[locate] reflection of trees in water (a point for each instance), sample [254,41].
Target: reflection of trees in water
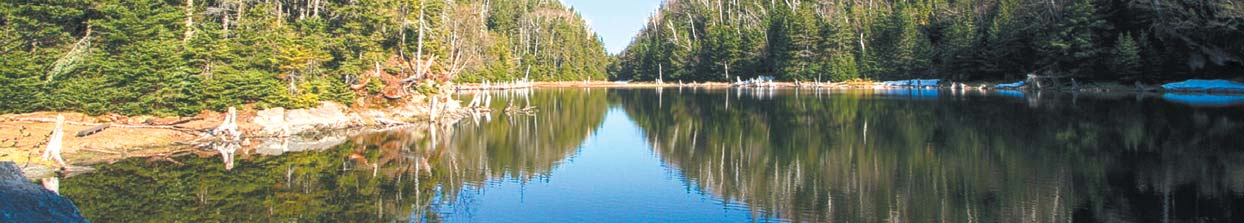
[525,147]
[879,158]
[385,176]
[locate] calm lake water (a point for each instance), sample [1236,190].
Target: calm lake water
[699,155]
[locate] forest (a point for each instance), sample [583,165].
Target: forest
[179,57]
[838,40]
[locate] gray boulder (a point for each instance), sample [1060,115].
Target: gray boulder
[23,201]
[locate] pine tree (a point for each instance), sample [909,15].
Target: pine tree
[176,57]
[837,53]
[957,42]
[1073,42]
[1125,58]
[723,51]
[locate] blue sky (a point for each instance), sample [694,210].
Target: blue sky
[615,20]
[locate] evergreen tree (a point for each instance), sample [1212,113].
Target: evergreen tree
[178,57]
[1125,58]
[837,52]
[723,51]
[962,40]
[794,36]
[1073,43]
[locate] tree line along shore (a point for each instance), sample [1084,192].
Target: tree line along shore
[181,57]
[980,40]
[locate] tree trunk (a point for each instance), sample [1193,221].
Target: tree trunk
[229,127]
[237,20]
[54,142]
[280,13]
[189,21]
[225,26]
[691,23]
[315,9]
[419,51]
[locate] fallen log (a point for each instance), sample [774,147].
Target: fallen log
[173,122]
[92,130]
[389,122]
[176,128]
[89,149]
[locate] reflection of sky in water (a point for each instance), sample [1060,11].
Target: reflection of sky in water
[614,176]
[1204,99]
[913,93]
[1010,93]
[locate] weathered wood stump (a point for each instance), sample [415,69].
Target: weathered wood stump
[52,152]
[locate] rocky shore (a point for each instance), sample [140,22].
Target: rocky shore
[265,131]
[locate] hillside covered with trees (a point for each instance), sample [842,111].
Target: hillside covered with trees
[170,57]
[836,40]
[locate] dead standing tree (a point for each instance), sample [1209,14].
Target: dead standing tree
[461,54]
[54,142]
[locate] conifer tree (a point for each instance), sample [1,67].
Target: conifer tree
[1125,58]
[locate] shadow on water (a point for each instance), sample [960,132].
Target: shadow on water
[810,155]
[894,156]
[394,175]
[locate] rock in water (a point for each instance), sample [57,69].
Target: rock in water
[23,201]
[278,121]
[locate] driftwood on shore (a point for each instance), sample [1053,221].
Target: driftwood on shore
[389,122]
[488,85]
[92,130]
[52,152]
[228,128]
[177,128]
[228,138]
[168,123]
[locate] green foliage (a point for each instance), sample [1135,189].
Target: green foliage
[842,67]
[901,49]
[168,58]
[958,40]
[1073,40]
[794,36]
[536,39]
[227,88]
[1125,58]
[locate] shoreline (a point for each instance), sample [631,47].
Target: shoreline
[1088,87]
[24,136]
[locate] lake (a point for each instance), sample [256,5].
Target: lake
[727,155]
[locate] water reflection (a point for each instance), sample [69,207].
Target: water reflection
[869,157]
[392,175]
[1205,99]
[723,155]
